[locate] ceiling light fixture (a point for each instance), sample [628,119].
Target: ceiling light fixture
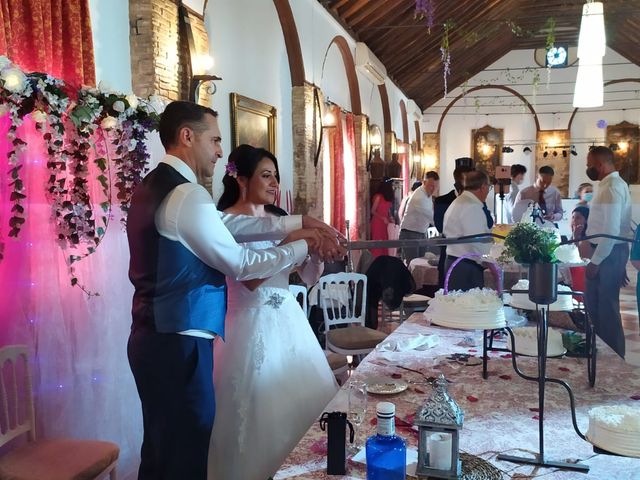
[589,89]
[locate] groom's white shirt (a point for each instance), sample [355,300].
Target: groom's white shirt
[189,215]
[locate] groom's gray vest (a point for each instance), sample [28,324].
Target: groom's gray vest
[174,289]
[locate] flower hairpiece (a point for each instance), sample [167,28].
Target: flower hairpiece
[231,169]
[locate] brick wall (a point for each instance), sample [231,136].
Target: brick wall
[160,62]
[307,178]
[362,176]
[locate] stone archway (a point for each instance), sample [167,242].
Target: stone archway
[484,87]
[350,70]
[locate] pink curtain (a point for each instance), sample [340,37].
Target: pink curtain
[351,179]
[82,383]
[337,183]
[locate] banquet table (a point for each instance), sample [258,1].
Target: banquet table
[423,272]
[501,413]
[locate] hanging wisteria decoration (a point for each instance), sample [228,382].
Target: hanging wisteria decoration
[446,54]
[426,9]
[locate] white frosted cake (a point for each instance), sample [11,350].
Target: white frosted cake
[569,254]
[616,429]
[527,342]
[521,300]
[476,309]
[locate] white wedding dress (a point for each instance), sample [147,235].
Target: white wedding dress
[271,377]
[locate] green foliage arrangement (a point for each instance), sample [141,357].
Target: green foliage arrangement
[527,243]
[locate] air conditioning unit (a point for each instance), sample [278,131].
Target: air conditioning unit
[369,65]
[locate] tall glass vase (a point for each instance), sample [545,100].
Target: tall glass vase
[543,283]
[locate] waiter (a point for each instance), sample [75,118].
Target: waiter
[610,214]
[468,215]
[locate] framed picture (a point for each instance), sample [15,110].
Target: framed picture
[625,150]
[486,148]
[253,123]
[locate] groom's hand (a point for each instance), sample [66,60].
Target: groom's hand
[310,222]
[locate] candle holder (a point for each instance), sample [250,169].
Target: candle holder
[439,422]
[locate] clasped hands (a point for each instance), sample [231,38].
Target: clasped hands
[323,240]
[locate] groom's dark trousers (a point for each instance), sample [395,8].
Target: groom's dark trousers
[173,374]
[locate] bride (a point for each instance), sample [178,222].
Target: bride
[271,377]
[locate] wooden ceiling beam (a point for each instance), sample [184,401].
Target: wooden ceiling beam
[352,9]
[363,21]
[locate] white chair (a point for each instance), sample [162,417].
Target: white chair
[299,292]
[343,299]
[60,459]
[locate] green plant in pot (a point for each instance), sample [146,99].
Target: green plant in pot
[531,245]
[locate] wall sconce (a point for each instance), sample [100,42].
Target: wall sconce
[200,63]
[507,150]
[429,161]
[197,81]
[375,143]
[573,151]
[375,136]
[526,150]
[623,146]
[329,119]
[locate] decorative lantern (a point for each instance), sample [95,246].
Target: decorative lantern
[439,422]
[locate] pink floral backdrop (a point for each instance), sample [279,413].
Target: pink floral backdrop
[82,383]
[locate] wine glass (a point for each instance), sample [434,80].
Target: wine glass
[357,410]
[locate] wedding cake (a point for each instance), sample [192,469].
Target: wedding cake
[521,300]
[478,308]
[526,339]
[616,429]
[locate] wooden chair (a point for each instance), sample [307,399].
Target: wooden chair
[52,459]
[343,298]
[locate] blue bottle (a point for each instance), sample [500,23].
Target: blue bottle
[386,452]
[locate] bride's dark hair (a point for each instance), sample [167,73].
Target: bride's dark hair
[243,161]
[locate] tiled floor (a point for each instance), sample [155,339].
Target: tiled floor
[628,309]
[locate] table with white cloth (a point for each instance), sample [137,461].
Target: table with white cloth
[423,272]
[500,412]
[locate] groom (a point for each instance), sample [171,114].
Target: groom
[181,249]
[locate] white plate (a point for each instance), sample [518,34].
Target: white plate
[385,385]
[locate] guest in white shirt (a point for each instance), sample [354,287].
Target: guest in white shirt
[403,204]
[468,215]
[544,194]
[418,216]
[517,177]
[610,213]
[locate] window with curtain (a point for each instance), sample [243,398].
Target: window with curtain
[52,36]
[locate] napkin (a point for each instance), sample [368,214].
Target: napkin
[419,342]
[412,459]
